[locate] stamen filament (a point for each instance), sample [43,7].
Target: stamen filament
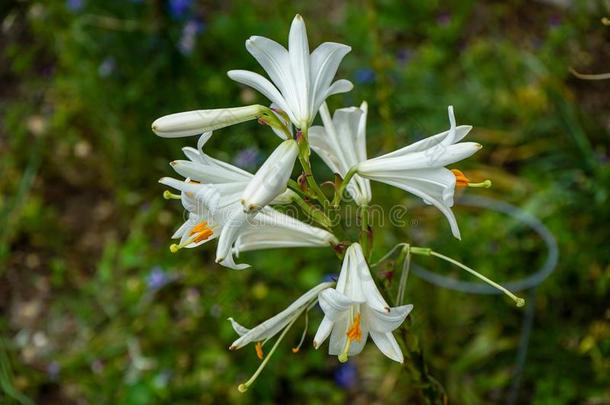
[298,347]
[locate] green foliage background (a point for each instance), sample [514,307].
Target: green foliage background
[83,225]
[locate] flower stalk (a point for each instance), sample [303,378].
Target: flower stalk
[313,212]
[343,186]
[304,152]
[520,302]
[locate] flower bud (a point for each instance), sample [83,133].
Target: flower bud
[271,179]
[199,121]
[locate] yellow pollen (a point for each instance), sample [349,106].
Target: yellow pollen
[259,350]
[460,179]
[201,231]
[354,332]
[296,349]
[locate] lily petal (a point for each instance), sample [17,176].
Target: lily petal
[386,342]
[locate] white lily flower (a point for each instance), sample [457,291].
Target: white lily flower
[354,309]
[272,326]
[196,122]
[271,179]
[211,195]
[341,143]
[419,168]
[301,81]
[230,180]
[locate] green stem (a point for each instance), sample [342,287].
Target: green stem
[404,261]
[429,390]
[343,186]
[429,252]
[364,229]
[304,153]
[313,212]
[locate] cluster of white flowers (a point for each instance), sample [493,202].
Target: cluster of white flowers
[237,208]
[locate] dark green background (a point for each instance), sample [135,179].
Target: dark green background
[83,224]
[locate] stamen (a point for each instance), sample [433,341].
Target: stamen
[354,333]
[168,195]
[298,347]
[259,350]
[201,232]
[462,181]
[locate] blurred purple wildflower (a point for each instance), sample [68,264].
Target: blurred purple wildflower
[157,278]
[75,5]
[365,75]
[247,159]
[330,277]
[189,36]
[346,375]
[179,9]
[107,67]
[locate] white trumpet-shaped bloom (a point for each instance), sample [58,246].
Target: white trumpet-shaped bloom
[341,143]
[275,324]
[301,81]
[196,122]
[211,195]
[420,168]
[355,309]
[271,179]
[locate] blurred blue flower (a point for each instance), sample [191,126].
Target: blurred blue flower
[346,375]
[365,75]
[330,277]
[107,67]
[157,278]
[179,9]
[75,5]
[247,159]
[189,36]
